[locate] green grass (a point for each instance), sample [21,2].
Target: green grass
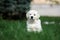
[16,30]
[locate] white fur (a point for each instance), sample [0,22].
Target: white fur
[33,24]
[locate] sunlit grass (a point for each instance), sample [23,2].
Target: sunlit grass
[16,30]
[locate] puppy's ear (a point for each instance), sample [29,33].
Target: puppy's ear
[27,15]
[38,15]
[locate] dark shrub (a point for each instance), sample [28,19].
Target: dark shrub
[15,9]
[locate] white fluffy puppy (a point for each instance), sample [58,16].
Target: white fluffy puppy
[33,21]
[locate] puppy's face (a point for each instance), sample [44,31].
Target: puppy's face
[32,14]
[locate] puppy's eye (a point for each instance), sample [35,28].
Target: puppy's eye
[30,14]
[34,14]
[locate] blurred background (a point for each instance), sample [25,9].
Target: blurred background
[46,7]
[12,9]
[13,19]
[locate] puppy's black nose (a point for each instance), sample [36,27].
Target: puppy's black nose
[31,17]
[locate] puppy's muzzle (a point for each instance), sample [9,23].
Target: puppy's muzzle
[31,17]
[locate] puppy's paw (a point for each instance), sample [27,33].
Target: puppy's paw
[29,30]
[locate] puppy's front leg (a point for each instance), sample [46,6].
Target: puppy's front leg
[31,29]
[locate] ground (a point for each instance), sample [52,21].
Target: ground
[16,30]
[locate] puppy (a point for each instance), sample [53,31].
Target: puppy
[33,21]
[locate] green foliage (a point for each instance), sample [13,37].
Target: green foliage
[1,6]
[14,7]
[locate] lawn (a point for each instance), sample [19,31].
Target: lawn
[16,30]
